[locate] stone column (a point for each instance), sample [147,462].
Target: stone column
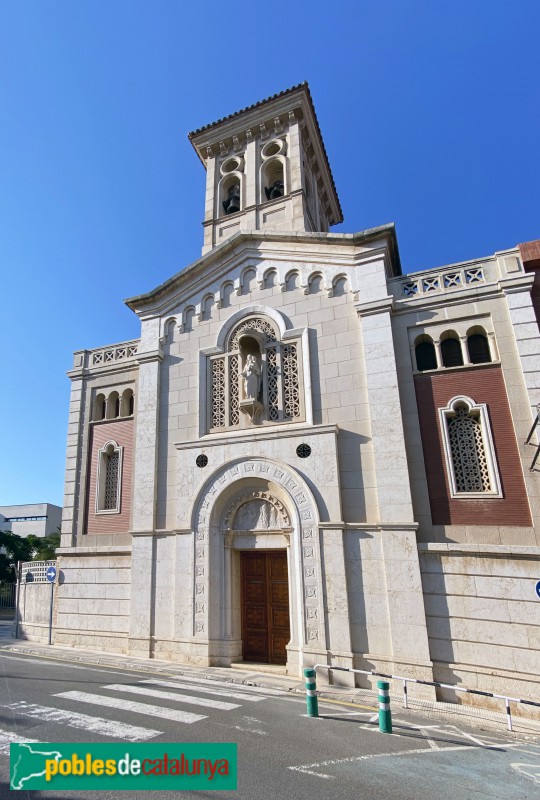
[228,539]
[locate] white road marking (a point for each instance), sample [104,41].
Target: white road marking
[7,737]
[250,730]
[179,698]
[129,705]
[530,770]
[219,692]
[105,727]
[309,769]
[241,687]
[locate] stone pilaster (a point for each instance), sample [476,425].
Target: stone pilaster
[73,491]
[393,484]
[144,500]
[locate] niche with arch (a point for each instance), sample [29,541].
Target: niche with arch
[231,186]
[424,351]
[451,353]
[478,346]
[273,171]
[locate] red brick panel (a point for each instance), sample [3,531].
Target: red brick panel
[485,385]
[121,432]
[530,253]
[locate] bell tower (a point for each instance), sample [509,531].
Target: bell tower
[267,170]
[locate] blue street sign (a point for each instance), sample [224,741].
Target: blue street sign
[51,574]
[538,589]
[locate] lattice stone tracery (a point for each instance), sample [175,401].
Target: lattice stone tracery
[291,390]
[234,398]
[218,393]
[111,481]
[470,464]
[272,382]
[253,325]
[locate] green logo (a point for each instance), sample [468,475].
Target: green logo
[123,766]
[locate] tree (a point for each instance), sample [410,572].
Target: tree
[13,548]
[44,547]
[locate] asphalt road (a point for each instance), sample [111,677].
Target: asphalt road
[281,752]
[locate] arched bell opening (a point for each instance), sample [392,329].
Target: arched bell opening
[230,194]
[273,178]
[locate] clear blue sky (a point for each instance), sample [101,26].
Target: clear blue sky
[430,113]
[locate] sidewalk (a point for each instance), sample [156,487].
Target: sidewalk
[252,675]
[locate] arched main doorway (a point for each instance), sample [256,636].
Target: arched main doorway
[264,576]
[257,577]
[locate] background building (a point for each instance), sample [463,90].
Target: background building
[38,519]
[308,456]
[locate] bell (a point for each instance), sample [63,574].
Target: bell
[274,191]
[233,205]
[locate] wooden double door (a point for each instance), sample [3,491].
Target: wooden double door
[265,606]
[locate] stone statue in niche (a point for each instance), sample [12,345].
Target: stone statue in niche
[251,349]
[252,378]
[256,515]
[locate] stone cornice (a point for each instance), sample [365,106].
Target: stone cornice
[271,432]
[483,550]
[151,355]
[244,245]
[104,369]
[385,304]
[369,526]
[517,283]
[98,550]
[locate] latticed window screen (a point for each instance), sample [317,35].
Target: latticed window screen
[110,499]
[281,380]
[469,460]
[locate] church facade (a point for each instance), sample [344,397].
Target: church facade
[307,456]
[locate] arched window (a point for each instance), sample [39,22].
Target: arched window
[127,403]
[258,380]
[109,479]
[100,407]
[478,347]
[469,449]
[425,356]
[451,353]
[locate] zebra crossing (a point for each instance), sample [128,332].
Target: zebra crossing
[155,697]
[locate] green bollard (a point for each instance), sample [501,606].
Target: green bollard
[311,693]
[385,715]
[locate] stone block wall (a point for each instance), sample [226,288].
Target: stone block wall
[93,601]
[482,618]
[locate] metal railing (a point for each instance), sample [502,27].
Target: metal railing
[8,592]
[507,699]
